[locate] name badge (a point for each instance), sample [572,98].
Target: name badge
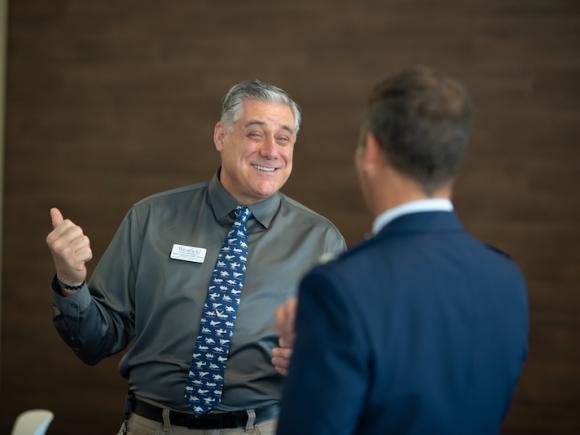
[188,253]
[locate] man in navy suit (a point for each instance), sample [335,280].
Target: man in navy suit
[420,329]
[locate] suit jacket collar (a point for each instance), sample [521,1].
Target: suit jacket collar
[421,222]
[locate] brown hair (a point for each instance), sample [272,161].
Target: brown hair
[422,121]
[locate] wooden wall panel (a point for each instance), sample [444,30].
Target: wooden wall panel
[108,102]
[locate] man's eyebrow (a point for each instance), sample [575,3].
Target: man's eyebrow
[288,128]
[262,123]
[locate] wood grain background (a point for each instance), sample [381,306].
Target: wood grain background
[108,102]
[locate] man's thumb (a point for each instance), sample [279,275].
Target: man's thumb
[56,217]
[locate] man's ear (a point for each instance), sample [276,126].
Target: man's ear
[219,133]
[372,154]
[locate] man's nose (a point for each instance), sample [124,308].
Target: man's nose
[268,149]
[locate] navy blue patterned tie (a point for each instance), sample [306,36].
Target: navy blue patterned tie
[206,376]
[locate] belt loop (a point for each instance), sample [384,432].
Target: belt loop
[166,421]
[251,419]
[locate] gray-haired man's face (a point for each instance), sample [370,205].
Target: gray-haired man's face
[257,150]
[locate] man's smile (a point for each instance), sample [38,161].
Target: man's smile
[263,168]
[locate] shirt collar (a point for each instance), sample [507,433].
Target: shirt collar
[223,203]
[418,206]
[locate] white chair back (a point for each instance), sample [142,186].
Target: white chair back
[32,422]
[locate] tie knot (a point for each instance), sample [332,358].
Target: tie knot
[242,214]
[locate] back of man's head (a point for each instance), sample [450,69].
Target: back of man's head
[422,122]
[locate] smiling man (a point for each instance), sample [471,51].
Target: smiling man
[257,150]
[193,276]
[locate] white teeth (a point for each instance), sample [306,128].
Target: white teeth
[264,168]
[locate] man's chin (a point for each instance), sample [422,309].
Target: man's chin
[266,190]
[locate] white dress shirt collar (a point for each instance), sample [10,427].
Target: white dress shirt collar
[418,206]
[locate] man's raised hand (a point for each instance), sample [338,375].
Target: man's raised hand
[70,249]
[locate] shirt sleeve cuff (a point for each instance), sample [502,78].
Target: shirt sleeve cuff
[80,300]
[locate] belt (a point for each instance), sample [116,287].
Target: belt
[212,420]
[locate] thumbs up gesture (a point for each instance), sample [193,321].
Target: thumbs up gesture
[70,249]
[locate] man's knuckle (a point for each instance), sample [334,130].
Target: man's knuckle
[66,251]
[57,245]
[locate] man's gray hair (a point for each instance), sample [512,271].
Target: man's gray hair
[255,90]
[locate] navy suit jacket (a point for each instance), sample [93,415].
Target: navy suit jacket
[420,330]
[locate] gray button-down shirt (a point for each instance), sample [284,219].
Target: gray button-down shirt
[139,295]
